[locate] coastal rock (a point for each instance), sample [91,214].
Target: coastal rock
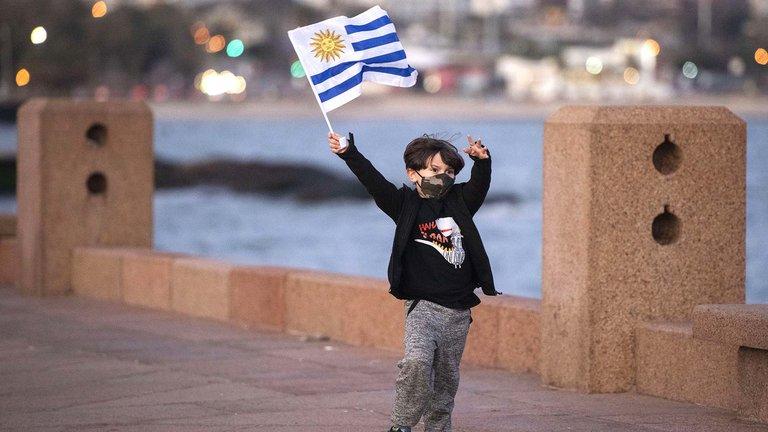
[301,181]
[304,182]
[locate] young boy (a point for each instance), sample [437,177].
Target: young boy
[437,262]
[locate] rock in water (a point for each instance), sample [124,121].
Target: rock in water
[301,181]
[305,182]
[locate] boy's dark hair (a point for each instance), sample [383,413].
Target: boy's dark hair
[420,149]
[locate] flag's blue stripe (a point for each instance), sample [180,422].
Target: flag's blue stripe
[341,67]
[358,79]
[373,25]
[374,42]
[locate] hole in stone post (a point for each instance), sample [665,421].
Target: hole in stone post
[97,134]
[666,227]
[666,157]
[96,183]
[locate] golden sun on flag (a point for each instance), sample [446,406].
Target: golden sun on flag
[327,45]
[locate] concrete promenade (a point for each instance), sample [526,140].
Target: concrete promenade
[75,364]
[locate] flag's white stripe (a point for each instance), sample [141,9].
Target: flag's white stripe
[340,78]
[389,79]
[378,77]
[339,68]
[352,71]
[357,79]
[380,50]
[370,53]
[341,99]
[381,31]
[366,17]
[360,19]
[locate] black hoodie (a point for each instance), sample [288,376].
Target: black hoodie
[462,201]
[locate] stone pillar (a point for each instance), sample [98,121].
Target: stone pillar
[85,178]
[644,213]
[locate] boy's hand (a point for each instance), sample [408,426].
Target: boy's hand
[476,148]
[333,143]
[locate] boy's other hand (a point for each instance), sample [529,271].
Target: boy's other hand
[333,143]
[476,148]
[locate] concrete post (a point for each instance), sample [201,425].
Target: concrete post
[644,213]
[85,178]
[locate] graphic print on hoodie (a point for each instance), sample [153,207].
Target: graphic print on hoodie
[444,235]
[436,267]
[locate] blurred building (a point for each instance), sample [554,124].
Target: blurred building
[759,7]
[625,70]
[537,50]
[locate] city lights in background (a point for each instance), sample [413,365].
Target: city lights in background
[736,66]
[631,75]
[99,9]
[214,83]
[215,44]
[433,83]
[594,65]
[761,56]
[235,48]
[38,35]
[651,47]
[200,33]
[690,70]
[297,70]
[22,77]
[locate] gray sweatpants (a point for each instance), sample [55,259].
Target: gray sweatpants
[429,372]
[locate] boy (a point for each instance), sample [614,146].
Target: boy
[437,261]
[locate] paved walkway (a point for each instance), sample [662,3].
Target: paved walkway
[73,364]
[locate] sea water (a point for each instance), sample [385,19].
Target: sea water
[354,236]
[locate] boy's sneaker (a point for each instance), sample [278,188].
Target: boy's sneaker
[400,429]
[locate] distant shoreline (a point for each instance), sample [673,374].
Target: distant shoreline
[420,107]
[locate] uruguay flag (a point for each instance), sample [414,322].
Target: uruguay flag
[339,53]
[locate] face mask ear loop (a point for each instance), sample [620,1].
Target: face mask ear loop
[418,186]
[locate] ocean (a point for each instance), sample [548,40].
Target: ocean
[353,236]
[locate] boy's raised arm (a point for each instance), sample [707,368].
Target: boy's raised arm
[476,188]
[384,193]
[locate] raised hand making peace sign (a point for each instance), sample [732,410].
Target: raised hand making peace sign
[476,148]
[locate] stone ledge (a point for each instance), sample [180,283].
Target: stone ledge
[672,364]
[258,296]
[200,287]
[353,309]
[10,260]
[97,272]
[146,278]
[7,225]
[732,324]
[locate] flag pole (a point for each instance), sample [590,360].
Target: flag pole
[343,140]
[317,98]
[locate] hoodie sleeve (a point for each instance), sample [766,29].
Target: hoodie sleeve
[385,194]
[476,188]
